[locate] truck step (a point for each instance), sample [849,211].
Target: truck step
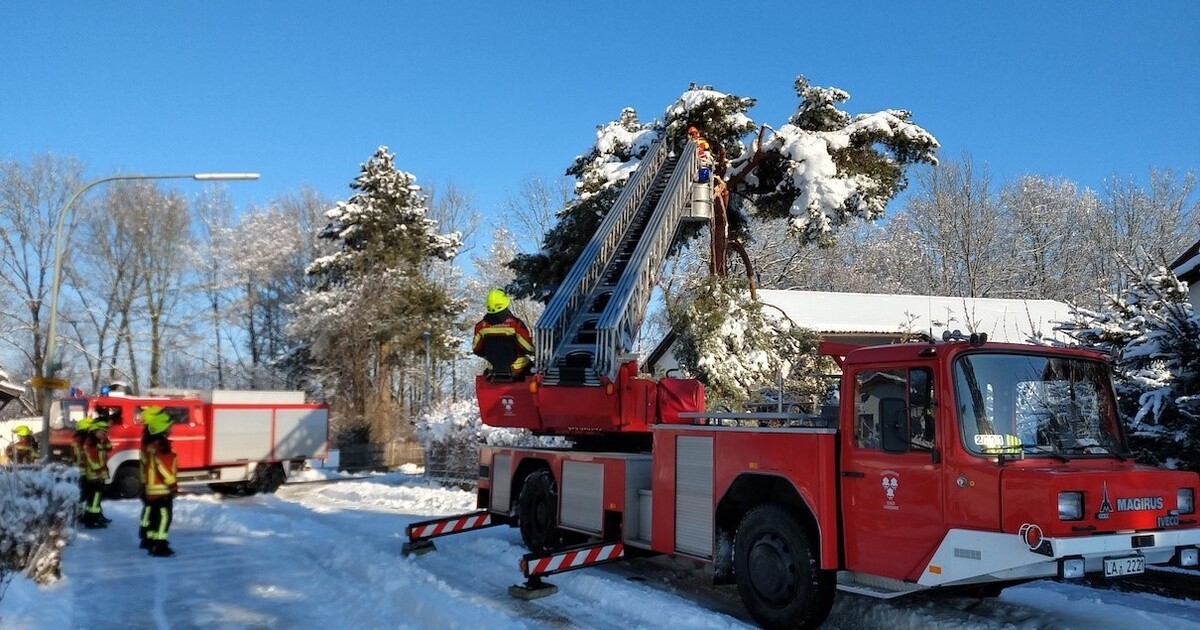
[874,585]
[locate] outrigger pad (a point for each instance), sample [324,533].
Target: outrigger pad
[418,548]
[533,588]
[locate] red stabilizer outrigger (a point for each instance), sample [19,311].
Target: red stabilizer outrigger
[420,534]
[536,565]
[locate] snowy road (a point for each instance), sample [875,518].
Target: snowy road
[326,556]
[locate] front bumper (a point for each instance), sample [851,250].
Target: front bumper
[974,557]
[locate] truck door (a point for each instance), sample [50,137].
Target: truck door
[891,473]
[188,438]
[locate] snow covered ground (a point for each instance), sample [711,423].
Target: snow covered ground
[326,556]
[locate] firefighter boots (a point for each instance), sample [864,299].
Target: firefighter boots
[160,549]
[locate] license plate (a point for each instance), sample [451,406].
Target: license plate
[1116,567]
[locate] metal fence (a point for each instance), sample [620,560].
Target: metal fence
[456,463]
[379,457]
[453,462]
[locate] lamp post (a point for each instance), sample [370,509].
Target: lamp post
[428,369]
[49,383]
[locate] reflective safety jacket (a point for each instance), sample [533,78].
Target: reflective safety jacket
[159,469]
[505,323]
[23,451]
[77,449]
[95,461]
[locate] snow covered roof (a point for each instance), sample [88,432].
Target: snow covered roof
[8,389]
[1187,266]
[1005,320]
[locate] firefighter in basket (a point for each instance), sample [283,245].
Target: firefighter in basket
[502,338]
[23,449]
[159,485]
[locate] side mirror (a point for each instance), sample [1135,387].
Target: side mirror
[893,414]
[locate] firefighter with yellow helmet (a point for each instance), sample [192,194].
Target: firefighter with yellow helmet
[159,469]
[500,322]
[23,449]
[94,470]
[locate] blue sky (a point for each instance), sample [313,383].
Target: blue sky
[485,95]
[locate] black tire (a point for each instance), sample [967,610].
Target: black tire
[127,483]
[538,512]
[270,478]
[778,572]
[234,489]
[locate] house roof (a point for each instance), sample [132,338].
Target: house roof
[1187,266]
[1007,320]
[8,389]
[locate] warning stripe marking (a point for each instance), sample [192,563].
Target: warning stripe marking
[579,558]
[451,525]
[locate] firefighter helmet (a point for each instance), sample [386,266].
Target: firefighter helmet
[497,301]
[156,420]
[22,430]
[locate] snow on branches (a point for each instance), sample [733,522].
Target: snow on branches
[736,347]
[824,168]
[384,221]
[1153,337]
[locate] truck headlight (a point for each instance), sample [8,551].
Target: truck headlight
[1185,500]
[1070,506]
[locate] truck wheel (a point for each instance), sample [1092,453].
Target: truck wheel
[235,489]
[538,512]
[778,574]
[127,483]
[272,478]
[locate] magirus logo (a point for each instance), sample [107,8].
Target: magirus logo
[1126,504]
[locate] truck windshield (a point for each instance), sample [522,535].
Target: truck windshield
[1036,405]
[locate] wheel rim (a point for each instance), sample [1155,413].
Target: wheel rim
[773,572]
[542,513]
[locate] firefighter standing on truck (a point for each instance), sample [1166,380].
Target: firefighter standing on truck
[159,486]
[95,474]
[23,449]
[500,321]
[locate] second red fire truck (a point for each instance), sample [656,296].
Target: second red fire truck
[236,442]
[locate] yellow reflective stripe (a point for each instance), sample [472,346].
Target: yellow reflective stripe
[503,330]
[164,521]
[145,517]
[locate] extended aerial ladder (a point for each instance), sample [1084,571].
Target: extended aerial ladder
[590,324]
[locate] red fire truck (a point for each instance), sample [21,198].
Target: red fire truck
[958,465]
[237,442]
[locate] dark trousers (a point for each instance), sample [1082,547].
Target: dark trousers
[93,491]
[156,517]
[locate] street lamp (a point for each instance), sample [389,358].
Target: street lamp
[428,369]
[48,383]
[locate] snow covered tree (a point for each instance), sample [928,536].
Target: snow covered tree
[599,175]
[735,346]
[271,248]
[819,171]
[826,168]
[30,198]
[374,297]
[1153,337]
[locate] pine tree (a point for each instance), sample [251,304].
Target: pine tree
[821,170]
[736,346]
[374,298]
[825,168]
[1153,338]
